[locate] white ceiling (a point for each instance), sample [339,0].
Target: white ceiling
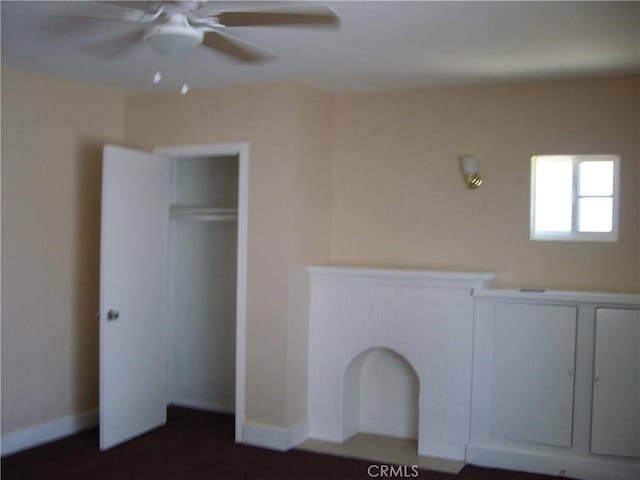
[379,45]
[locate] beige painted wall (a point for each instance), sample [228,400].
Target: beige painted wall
[52,136]
[311,234]
[399,200]
[50,230]
[386,162]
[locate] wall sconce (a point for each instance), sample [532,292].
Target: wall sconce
[469,167]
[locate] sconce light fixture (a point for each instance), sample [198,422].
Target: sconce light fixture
[469,167]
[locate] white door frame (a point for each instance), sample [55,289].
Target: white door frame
[241,149]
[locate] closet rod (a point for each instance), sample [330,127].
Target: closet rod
[204,213]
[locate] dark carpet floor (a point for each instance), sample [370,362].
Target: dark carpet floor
[198,445]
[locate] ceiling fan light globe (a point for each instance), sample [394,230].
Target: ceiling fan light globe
[174,40]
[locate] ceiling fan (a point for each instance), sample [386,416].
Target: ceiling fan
[178,27]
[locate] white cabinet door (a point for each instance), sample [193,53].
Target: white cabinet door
[615,428]
[133,260]
[533,371]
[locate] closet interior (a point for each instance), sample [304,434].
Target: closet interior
[203,269]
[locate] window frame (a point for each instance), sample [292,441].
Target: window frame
[574,234]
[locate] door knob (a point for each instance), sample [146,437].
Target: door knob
[113,315]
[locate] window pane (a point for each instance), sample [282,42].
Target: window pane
[553,215]
[596,214]
[596,178]
[553,183]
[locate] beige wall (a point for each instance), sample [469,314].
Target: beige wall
[399,200]
[50,230]
[311,234]
[359,179]
[52,136]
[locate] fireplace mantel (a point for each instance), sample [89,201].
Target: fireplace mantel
[409,278]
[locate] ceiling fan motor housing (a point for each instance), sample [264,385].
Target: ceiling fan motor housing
[175,37]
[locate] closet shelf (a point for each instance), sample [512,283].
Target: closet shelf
[203,213]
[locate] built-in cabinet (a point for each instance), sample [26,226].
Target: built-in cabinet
[556,381]
[615,426]
[534,355]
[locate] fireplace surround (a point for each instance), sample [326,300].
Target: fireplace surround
[420,319]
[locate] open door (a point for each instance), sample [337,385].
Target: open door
[133,273]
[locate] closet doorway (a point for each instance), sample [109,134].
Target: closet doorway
[173,285]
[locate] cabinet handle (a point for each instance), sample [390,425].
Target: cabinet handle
[571,371]
[596,377]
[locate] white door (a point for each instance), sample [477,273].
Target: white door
[533,373]
[133,327]
[615,426]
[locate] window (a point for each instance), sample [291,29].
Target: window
[574,197]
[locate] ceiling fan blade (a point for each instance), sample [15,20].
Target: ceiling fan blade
[74,9]
[317,17]
[233,48]
[116,46]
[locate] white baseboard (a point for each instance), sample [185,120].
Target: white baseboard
[574,466]
[204,405]
[275,438]
[298,433]
[13,442]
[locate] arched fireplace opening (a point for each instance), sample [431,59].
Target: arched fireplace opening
[381,395]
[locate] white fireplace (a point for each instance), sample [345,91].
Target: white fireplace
[390,352]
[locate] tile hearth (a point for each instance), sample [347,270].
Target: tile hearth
[382,448]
